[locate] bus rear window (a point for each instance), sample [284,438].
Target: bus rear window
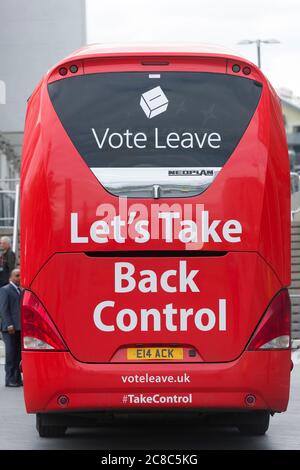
[168,119]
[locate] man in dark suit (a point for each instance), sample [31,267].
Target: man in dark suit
[10,327]
[7,260]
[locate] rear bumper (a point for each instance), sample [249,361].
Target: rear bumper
[201,386]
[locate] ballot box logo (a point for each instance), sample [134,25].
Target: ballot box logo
[154,102]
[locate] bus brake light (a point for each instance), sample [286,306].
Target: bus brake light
[274,330]
[38,330]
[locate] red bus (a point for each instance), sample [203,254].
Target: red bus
[155,239]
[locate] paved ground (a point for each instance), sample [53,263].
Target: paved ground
[17,429]
[2,351]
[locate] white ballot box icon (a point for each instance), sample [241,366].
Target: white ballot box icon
[154,102]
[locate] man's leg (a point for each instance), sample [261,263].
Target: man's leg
[9,342]
[18,377]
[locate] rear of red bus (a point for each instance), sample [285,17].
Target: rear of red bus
[155,239]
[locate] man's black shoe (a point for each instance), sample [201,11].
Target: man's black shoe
[12,384]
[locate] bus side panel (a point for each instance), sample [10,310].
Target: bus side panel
[275,238]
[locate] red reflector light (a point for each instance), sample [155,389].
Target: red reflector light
[73,68]
[236,68]
[63,71]
[63,401]
[250,400]
[38,330]
[246,70]
[274,330]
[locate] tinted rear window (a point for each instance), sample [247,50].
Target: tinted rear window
[169,119]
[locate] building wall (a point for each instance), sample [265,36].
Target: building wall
[34,35]
[292,117]
[8,178]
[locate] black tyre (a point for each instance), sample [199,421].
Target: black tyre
[49,430]
[254,423]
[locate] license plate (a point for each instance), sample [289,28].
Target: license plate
[154,354]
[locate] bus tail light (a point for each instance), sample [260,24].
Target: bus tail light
[274,330]
[38,330]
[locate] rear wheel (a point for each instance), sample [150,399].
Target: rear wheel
[49,430]
[254,423]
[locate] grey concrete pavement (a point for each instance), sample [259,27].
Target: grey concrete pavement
[2,351]
[17,429]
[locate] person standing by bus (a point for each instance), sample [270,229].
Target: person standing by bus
[10,327]
[7,260]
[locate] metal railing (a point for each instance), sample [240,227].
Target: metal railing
[295,323]
[295,194]
[8,198]
[16,219]
[9,209]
